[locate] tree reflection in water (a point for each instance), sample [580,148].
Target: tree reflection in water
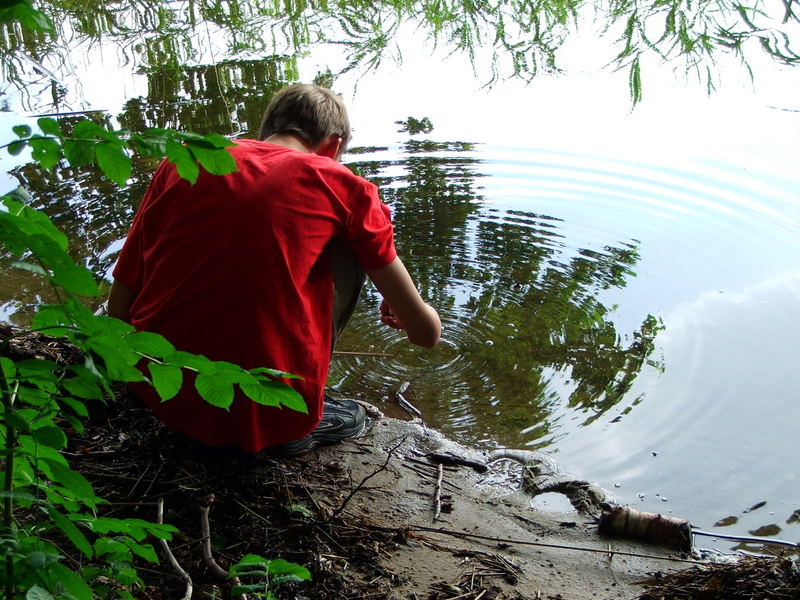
[526,331]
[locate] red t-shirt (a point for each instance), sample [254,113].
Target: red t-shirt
[233,268]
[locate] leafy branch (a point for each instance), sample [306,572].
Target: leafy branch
[90,143]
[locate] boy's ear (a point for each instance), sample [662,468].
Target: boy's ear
[329,147]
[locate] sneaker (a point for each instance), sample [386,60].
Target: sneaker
[341,420]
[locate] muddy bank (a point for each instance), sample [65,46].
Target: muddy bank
[377,517]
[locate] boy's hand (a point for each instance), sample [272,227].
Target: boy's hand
[388,317]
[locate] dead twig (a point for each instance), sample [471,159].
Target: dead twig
[367,478]
[205,528]
[171,557]
[378,354]
[462,534]
[437,495]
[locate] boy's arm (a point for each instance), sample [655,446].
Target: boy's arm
[119,302]
[403,307]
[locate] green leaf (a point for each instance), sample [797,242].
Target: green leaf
[69,581]
[15,148]
[151,344]
[52,437]
[22,131]
[79,152]
[106,545]
[71,531]
[17,420]
[138,529]
[152,143]
[74,279]
[78,407]
[82,387]
[38,593]
[119,359]
[74,482]
[216,389]
[273,373]
[30,447]
[7,368]
[280,566]
[51,320]
[192,361]
[184,161]
[218,141]
[167,380]
[18,495]
[114,162]
[275,393]
[49,126]
[31,18]
[90,130]
[31,223]
[217,161]
[102,324]
[144,551]
[46,151]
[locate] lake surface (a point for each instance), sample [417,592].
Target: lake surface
[632,307]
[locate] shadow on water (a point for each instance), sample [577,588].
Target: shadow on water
[526,333]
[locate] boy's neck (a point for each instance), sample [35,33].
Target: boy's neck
[289,140]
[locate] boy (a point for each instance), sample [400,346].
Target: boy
[262,268]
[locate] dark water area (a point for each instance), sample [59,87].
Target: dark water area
[637,318]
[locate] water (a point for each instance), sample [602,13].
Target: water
[641,324]
[616,289]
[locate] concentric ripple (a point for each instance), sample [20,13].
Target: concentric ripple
[631,316]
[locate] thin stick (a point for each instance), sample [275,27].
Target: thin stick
[215,569]
[171,557]
[407,405]
[746,539]
[368,477]
[205,528]
[437,496]
[378,354]
[461,534]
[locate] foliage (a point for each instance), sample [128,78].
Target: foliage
[90,142]
[48,508]
[520,38]
[266,575]
[40,396]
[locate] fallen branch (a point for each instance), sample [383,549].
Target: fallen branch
[171,557]
[205,528]
[462,534]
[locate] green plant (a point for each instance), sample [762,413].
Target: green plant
[45,502]
[39,396]
[265,576]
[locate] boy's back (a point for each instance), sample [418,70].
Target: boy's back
[235,268]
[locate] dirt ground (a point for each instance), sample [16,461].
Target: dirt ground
[361,516]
